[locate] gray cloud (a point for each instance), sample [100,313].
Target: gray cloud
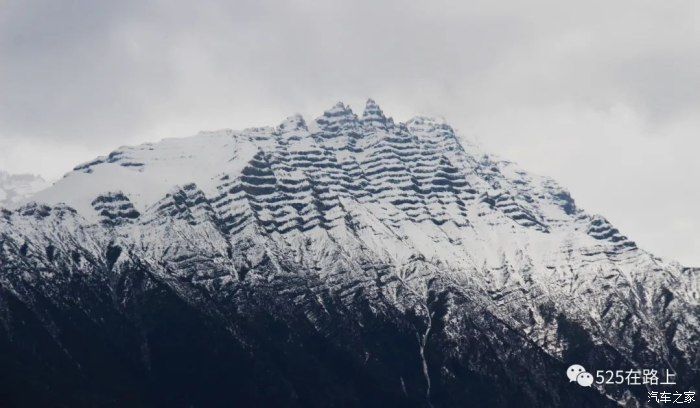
[578,91]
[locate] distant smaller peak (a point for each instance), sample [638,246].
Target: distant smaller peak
[371,104]
[427,120]
[337,119]
[372,109]
[339,109]
[292,123]
[20,176]
[430,124]
[374,116]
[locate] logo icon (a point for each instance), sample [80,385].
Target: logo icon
[576,373]
[585,379]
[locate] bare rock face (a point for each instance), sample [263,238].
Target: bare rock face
[347,261]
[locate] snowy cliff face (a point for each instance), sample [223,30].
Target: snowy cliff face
[17,187]
[347,261]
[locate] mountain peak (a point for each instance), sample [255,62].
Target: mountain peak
[374,116]
[441,244]
[292,124]
[371,104]
[337,119]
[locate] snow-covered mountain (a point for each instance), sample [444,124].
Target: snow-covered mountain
[345,261]
[16,187]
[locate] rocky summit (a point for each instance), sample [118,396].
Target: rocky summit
[346,261]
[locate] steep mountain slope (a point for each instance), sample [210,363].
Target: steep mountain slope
[16,187]
[348,261]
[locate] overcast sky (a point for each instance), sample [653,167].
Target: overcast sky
[604,96]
